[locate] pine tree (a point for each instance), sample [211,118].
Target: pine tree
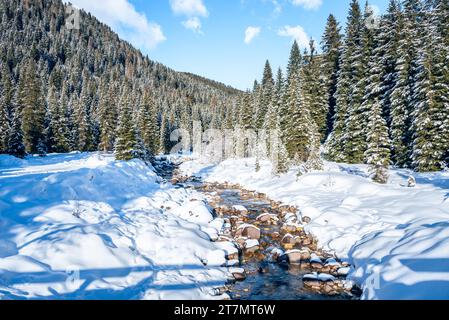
[355,126]
[147,123]
[127,145]
[164,136]
[4,125]
[15,137]
[348,77]
[430,112]
[331,46]
[51,118]
[276,102]
[294,63]
[60,123]
[298,134]
[84,132]
[246,112]
[108,119]
[314,161]
[402,104]
[5,108]
[377,156]
[32,109]
[266,96]
[315,88]
[388,45]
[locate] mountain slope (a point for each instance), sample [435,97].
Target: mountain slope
[89,69]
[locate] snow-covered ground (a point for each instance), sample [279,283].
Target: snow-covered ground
[84,226]
[396,237]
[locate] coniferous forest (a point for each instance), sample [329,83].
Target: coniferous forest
[374,92]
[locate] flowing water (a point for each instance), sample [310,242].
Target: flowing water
[265,279]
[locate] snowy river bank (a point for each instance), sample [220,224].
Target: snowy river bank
[84,226]
[395,237]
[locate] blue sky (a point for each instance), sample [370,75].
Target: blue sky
[225,40]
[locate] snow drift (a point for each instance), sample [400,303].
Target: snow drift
[84,226]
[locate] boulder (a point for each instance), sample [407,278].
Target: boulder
[267,218]
[294,256]
[288,239]
[249,231]
[306,220]
[239,276]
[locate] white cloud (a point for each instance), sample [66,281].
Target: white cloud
[123,18]
[308,4]
[193,24]
[189,8]
[297,33]
[193,9]
[251,33]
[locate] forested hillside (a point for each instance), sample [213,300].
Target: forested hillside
[377,94]
[64,89]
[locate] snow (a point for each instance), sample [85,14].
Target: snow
[240,208]
[84,226]
[396,237]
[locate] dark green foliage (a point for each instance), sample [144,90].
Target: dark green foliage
[67,81]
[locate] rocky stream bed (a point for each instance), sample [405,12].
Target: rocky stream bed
[273,257]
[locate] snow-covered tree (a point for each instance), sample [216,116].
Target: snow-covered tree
[32,109]
[377,155]
[331,47]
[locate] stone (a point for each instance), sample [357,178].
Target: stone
[232,256]
[240,209]
[306,242]
[290,228]
[411,182]
[295,256]
[251,245]
[239,276]
[266,218]
[249,231]
[306,220]
[288,239]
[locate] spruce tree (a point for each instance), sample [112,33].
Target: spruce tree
[127,146]
[60,123]
[315,88]
[294,63]
[299,124]
[84,132]
[377,155]
[276,102]
[266,96]
[314,161]
[108,119]
[15,137]
[430,110]
[147,123]
[164,136]
[402,95]
[331,47]
[354,137]
[4,125]
[348,77]
[4,118]
[32,108]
